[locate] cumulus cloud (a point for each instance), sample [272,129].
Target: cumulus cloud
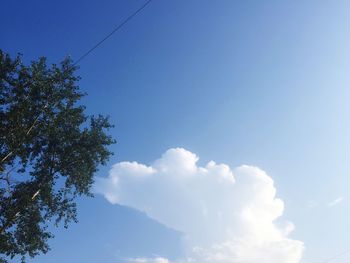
[226,215]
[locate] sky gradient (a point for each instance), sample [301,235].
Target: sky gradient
[261,83]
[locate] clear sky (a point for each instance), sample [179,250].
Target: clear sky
[261,83]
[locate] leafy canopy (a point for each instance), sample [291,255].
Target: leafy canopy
[49,151]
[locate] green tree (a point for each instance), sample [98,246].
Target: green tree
[49,152]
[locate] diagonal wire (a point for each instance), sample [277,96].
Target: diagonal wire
[111,33]
[86,54]
[335,256]
[2,228]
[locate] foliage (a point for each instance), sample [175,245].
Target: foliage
[49,152]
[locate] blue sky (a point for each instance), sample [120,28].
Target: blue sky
[263,83]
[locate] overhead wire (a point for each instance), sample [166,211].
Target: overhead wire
[118,27]
[335,256]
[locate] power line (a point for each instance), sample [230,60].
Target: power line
[114,30]
[83,56]
[335,256]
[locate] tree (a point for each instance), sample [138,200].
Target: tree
[49,152]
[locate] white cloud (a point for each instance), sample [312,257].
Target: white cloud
[336,201]
[226,216]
